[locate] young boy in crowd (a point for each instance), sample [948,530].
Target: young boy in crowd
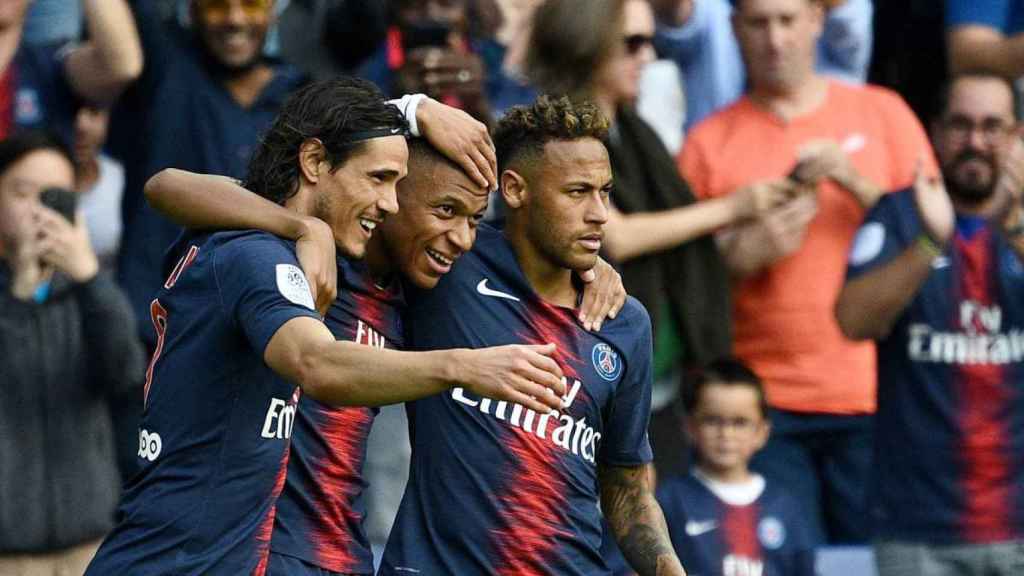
[725,520]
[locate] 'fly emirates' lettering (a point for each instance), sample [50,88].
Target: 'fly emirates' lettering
[564,431]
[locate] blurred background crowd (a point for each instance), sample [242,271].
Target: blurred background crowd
[749,140]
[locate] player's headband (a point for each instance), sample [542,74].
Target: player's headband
[362,135]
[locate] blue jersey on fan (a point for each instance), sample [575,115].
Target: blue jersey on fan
[495,488]
[214,434]
[763,535]
[950,440]
[320,513]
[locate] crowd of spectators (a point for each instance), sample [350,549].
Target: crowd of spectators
[753,143]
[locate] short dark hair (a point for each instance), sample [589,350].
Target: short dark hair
[21,144]
[524,130]
[332,111]
[728,371]
[945,92]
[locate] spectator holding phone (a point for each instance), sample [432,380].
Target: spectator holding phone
[846,144]
[66,343]
[446,49]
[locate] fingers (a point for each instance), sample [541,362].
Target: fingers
[541,404]
[545,369]
[594,305]
[481,173]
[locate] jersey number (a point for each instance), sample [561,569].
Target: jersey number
[158,314]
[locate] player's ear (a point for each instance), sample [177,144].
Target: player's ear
[513,188]
[312,155]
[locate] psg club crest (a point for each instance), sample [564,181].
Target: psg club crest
[771,533]
[606,361]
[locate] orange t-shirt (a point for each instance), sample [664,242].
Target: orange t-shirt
[784,321]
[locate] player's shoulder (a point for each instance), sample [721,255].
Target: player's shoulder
[633,321]
[250,244]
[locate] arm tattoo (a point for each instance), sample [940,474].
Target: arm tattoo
[637,521]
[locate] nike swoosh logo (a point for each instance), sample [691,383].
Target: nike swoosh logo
[483,289]
[697,528]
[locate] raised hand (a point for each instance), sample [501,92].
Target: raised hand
[460,137]
[523,374]
[934,207]
[760,197]
[65,246]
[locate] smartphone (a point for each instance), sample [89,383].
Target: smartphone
[60,200]
[426,34]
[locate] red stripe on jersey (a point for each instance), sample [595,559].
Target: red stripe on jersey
[266,529]
[533,506]
[984,401]
[739,526]
[336,481]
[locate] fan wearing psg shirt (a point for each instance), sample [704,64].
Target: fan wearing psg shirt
[936,277]
[725,520]
[498,488]
[238,330]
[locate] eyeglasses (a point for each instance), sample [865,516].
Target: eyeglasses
[738,424]
[219,10]
[634,43]
[960,128]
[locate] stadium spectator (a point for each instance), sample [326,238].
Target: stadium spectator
[66,332]
[935,277]
[698,35]
[723,518]
[241,340]
[41,86]
[99,179]
[986,36]
[206,95]
[657,232]
[845,144]
[446,49]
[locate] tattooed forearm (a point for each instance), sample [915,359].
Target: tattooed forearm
[636,519]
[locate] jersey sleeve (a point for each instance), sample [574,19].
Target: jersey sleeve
[885,234]
[625,442]
[991,13]
[261,285]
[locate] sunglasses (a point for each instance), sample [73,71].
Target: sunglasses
[634,43]
[217,10]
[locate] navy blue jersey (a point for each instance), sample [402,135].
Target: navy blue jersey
[34,92]
[767,537]
[950,439]
[495,488]
[320,513]
[214,434]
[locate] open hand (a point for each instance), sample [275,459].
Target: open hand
[603,295]
[65,246]
[934,207]
[315,250]
[524,374]
[461,138]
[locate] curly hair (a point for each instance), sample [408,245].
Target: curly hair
[524,130]
[332,111]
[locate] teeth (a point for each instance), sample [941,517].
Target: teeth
[368,224]
[439,257]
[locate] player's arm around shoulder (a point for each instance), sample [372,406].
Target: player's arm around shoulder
[636,519]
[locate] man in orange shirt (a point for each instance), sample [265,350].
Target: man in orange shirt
[835,147]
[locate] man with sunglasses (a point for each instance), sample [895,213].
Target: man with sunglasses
[935,277]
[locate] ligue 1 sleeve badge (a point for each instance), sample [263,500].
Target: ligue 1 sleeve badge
[606,361]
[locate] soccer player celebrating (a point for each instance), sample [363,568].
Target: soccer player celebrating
[237,330]
[725,520]
[318,522]
[499,488]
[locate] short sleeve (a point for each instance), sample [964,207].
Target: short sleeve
[625,442]
[693,166]
[261,284]
[907,141]
[992,13]
[882,236]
